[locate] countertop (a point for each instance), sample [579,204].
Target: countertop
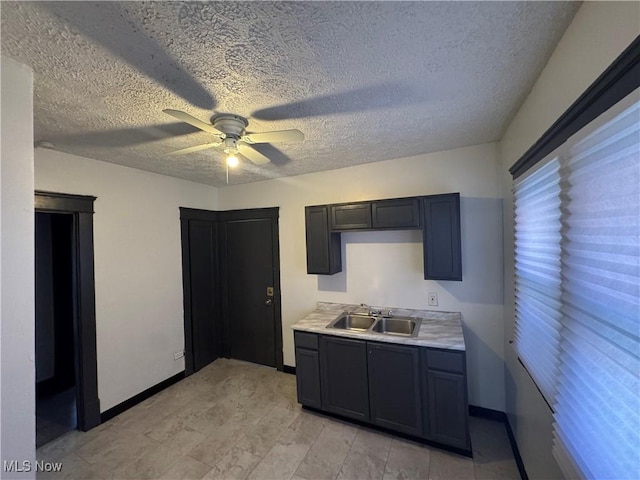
[438,329]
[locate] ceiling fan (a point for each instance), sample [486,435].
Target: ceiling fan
[232,136]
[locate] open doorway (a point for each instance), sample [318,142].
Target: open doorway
[56,403]
[66,363]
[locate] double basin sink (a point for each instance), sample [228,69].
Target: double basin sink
[359,322]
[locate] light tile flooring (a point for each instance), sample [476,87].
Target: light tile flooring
[235,420]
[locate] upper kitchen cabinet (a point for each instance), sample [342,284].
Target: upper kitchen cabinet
[441,240]
[323,245]
[400,213]
[352,216]
[437,215]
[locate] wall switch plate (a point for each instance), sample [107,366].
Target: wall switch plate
[433,299]
[178,355]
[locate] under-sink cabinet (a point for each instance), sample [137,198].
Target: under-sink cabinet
[414,390]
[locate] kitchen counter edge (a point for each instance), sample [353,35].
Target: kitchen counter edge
[438,329]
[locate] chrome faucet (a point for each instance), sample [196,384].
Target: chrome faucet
[374,312]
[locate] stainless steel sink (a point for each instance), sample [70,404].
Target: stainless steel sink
[407,327]
[352,321]
[402,326]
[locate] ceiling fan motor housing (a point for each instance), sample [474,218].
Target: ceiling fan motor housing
[231,125]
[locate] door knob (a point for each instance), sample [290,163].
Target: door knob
[268,302]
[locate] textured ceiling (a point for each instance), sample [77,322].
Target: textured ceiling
[364,81]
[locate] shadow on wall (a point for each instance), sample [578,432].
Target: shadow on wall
[482,252]
[338,281]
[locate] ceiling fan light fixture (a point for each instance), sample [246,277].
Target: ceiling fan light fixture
[232,160]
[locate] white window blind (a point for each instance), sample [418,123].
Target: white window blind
[577,265]
[537,273]
[597,418]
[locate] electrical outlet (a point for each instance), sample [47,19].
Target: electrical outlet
[433,299]
[178,355]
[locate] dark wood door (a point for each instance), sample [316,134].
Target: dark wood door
[343,373]
[394,387]
[252,279]
[204,283]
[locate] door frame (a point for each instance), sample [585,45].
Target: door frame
[272,214]
[81,208]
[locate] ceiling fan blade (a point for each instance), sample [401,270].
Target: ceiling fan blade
[197,148]
[274,137]
[252,154]
[191,120]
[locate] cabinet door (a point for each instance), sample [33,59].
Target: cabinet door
[447,406]
[442,249]
[308,377]
[356,216]
[323,247]
[397,213]
[344,377]
[394,387]
[445,391]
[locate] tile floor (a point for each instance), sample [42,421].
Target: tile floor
[235,420]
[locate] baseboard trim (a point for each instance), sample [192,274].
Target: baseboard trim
[499,416]
[289,369]
[140,397]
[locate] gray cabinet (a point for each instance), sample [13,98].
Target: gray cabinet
[343,373]
[353,216]
[308,369]
[394,387]
[445,392]
[441,239]
[399,213]
[437,215]
[323,245]
[408,389]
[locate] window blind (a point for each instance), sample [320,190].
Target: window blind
[537,273]
[597,405]
[577,274]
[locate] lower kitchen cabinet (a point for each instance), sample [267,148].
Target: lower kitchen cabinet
[394,387]
[308,377]
[343,373]
[308,369]
[419,391]
[445,391]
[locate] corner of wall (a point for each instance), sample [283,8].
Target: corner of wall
[17,326]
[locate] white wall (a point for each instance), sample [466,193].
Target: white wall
[138,269]
[599,32]
[386,268]
[17,321]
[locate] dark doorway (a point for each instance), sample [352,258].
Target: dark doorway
[231,286]
[66,368]
[55,343]
[252,266]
